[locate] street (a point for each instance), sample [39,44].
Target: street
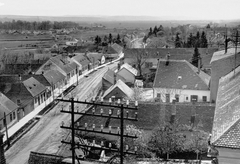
[46,135]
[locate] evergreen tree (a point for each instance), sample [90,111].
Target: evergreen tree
[160,28]
[98,40]
[197,40]
[150,31]
[110,38]
[190,41]
[118,39]
[155,30]
[177,41]
[204,42]
[196,56]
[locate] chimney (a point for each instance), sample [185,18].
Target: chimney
[2,156]
[167,59]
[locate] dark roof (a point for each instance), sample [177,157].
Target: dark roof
[109,76]
[6,105]
[64,63]
[93,57]
[34,86]
[150,114]
[16,78]
[53,76]
[222,55]
[82,59]
[227,115]
[176,53]
[180,74]
[117,48]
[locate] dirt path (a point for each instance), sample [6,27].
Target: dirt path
[46,135]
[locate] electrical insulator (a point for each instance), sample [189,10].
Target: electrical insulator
[110,111]
[85,125]
[127,102]
[93,126]
[136,103]
[127,147]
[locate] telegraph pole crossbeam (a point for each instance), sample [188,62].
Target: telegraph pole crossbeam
[120,116]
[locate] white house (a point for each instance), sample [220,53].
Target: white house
[128,72]
[180,80]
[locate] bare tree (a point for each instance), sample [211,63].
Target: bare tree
[139,60]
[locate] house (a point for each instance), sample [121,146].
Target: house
[180,80]
[56,79]
[28,94]
[222,63]
[128,72]
[63,64]
[110,78]
[113,51]
[150,55]
[226,125]
[95,59]
[71,43]
[119,91]
[82,61]
[10,109]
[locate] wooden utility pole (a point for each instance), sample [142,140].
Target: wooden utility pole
[93,104]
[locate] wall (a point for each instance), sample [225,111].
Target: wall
[117,93]
[105,84]
[127,75]
[182,94]
[228,156]
[220,68]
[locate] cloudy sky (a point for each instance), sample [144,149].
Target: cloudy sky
[185,9]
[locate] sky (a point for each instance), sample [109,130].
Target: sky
[179,9]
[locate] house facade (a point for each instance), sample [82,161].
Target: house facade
[181,81]
[110,78]
[128,72]
[10,109]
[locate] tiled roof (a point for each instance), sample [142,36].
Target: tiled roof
[63,63]
[116,47]
[176,53]
[129,68]
[53,76]
[81,59]
[34,86]
[123,87]
[109,76]
[221,54]
[6,105]
[227,114]
[231,138]
[180,74]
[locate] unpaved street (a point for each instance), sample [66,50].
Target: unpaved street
[46,135]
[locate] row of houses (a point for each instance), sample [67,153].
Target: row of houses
[22,94]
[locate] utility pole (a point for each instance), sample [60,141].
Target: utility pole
[120,115]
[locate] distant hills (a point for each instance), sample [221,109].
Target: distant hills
[102,19]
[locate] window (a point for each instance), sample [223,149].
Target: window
[35,100]
[159,95]
[14,116]
[148,64]
[186,98]
[204,98]
[23,112]
[18,101]
[10,117]
[177,97]
[194,98]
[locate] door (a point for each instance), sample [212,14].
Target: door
[167,98]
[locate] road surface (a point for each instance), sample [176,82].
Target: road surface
[46,135]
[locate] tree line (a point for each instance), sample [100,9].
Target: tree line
[44,25]
[105,40]
[192,41]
